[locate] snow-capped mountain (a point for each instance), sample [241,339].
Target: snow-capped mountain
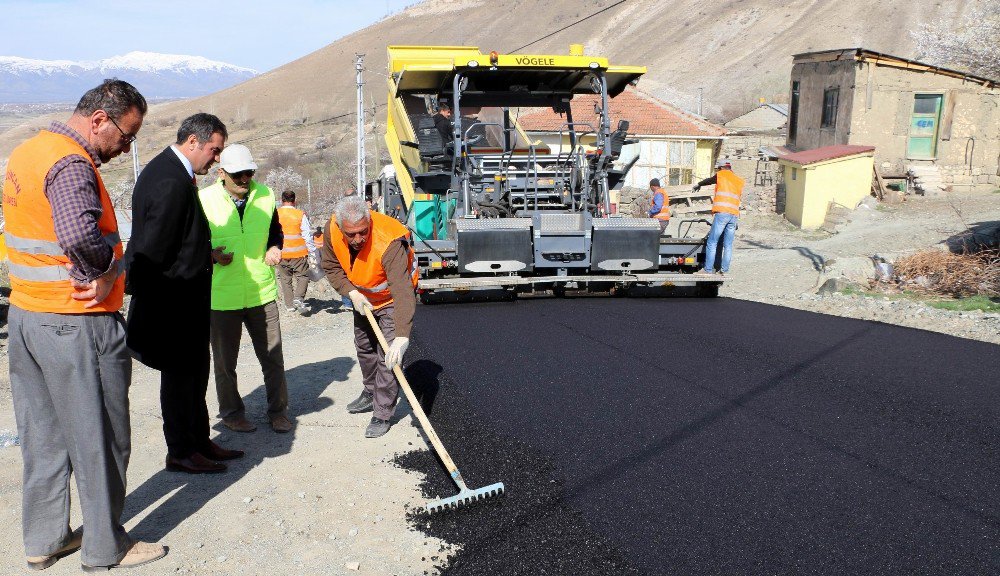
[23,80]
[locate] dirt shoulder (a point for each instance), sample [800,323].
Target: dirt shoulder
[776,263]
[320,500]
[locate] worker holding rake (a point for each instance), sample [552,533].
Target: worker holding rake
[367,257]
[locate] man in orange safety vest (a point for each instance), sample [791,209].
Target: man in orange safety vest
[368,257]
[725,214]
[70,369]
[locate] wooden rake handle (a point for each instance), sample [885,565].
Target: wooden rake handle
[414,404]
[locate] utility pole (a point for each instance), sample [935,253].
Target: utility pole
[701,93]
[378,155]
[359,67]
[135,163]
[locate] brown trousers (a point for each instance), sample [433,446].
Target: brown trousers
[265,333]
[378,379]
[296,269]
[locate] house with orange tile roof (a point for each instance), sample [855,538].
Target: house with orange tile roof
[675,146]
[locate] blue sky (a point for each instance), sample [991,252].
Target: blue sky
[257,34]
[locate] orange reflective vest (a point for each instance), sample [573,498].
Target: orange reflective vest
[39,279]
[728,191]
[293,245]
[366,273]
[664,213]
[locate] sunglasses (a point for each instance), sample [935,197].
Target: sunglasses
[242,174]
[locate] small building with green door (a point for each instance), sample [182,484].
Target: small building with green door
[917,116]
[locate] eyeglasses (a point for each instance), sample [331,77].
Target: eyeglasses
[125,137]
[241,175]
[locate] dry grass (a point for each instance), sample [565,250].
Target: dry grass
[947,274]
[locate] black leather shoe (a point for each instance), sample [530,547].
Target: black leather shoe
[220,454]
[194,464]
[377,428]
[361,404]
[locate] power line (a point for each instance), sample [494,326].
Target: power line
[568,26]
[266,136]
[293,128]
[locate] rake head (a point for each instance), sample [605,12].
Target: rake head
[465,497]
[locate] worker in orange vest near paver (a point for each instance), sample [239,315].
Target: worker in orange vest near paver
[318,237]
[369,258]
[725,214]
[69,367]
[298,244]
[659,208]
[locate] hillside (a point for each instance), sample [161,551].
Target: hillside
[736,50]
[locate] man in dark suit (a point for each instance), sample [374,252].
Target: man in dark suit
[169,275]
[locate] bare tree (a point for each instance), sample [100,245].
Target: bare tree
[284,178]
[121,193]
[970,45]
[241,118]
[300,112]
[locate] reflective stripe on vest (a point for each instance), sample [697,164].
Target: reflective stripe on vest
[728,192]
[293,245]
[664,213]
[39,279]
[366,273]
[30,246]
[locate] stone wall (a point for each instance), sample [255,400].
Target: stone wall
[742,150]
[964,176]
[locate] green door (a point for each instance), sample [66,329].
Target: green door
[922,142]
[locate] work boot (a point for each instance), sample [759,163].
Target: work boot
[281,424]
[238,424]
[43,562]
[140,553]
[377,428]
[301,307]
[362,403]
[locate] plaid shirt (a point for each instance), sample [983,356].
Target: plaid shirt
[71,188]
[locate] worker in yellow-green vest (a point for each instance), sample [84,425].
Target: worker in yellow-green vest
[725,214]
[246,246]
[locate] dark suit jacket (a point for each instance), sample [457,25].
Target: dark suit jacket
[168,266]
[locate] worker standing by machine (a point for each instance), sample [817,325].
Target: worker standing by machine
[659,208]
[367,257]
[725,214]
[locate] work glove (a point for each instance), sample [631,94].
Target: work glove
[695,188]
[359,301]
[394,356]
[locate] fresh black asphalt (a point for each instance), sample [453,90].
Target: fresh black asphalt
[707,436]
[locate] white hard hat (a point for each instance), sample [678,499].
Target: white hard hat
[236,158]
[722,162]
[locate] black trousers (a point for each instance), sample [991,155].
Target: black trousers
[183,387]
